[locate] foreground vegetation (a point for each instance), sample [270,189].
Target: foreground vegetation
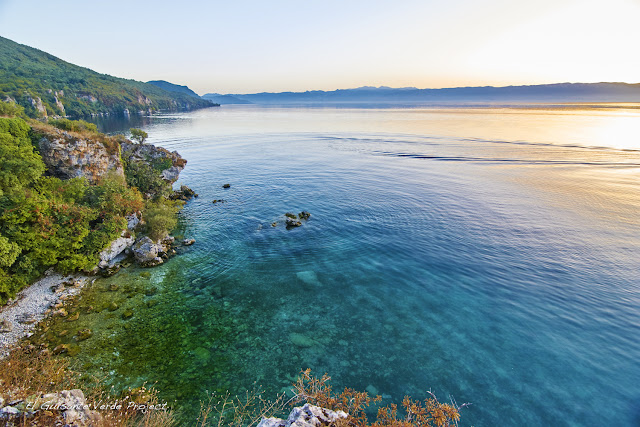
[29,372]
[47,222]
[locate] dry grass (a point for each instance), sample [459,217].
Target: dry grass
[28,372]
[239,411]
[414,413]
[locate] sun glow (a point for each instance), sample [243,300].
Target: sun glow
[586,41]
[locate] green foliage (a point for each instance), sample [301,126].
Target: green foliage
[9,109]
[161,217]
[74,125]
[161,163]
[138,135]
[143,176]
[9,251]
[27,74]
[47,222]
[20,165]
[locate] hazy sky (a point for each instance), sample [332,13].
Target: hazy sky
[246,46]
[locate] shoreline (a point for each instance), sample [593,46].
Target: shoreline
[34,303]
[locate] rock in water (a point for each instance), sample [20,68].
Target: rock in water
[292,222]
[300,340]
[147,253]
[309,277]
[304,215]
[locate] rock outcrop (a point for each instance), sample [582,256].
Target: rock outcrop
[155,156]
[118,246]
[70,155]
[305,416]
[148,253]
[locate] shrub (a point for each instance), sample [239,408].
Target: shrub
[139,135]
[10,109]
[161,218]
[318,391]
[142,176]
[79,126]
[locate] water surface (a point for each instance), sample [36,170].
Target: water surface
[490,255]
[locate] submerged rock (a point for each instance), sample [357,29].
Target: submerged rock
[5,326]
[188,242]
[75,409]
[84,334]
[62,348]
[309,277]
[300,340]
[110,271]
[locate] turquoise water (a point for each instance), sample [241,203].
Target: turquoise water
[490,255]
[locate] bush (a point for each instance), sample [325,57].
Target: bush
[161,218]
[249,409]
[143,176]
[9,109]
[79,126]
[318,391]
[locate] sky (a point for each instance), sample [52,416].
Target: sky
[248,46]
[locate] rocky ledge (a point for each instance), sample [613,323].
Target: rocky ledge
[71,155]
[169,163]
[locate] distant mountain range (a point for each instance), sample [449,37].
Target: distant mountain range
[224,99]
[48,86]
[548,93]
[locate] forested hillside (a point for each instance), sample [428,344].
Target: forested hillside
[48,86]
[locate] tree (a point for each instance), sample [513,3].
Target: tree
[139,135]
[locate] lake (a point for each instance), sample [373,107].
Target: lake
[490,255]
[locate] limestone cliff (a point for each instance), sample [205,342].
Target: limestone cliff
[70,155]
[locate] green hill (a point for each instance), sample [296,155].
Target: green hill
[48,86]
[170,87]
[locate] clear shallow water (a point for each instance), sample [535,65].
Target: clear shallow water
[491,255]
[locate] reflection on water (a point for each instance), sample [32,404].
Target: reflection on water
[487,254]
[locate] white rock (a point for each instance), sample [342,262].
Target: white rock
[117,247]
[305,416]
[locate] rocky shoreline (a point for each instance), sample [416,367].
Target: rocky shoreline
[22,314]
